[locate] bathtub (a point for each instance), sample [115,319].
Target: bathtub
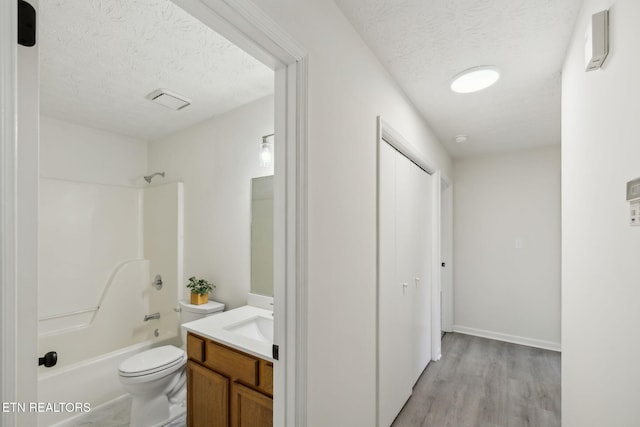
[94,381]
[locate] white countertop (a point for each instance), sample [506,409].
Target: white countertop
[213,327]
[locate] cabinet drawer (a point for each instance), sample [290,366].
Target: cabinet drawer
[232,363]
[195,347]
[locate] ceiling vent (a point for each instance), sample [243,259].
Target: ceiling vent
[169,99]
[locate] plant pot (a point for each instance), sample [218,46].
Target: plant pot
[198,299]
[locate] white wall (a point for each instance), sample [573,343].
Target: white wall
[80,153]
[502,291]
[600,268]
[216,160]
[348,88]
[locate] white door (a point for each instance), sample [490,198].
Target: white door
[422,265]
[404,292]
[446,254]
[393,316]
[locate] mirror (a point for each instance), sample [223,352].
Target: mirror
[262,235]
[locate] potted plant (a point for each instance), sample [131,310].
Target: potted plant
[200,289]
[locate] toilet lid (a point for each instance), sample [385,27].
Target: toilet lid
[153,360]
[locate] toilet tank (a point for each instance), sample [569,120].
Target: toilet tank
[190,312]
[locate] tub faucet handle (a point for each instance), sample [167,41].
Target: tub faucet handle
[148,317]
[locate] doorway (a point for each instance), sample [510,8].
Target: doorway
[446,253]
[253,31]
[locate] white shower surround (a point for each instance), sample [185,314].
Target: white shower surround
[102,243]
[95,285]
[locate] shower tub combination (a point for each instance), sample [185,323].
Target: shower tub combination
[102,250]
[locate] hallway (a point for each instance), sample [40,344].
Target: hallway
[486,383]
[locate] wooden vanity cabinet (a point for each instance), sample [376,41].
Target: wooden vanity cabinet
[226,387]
[207,397]
[250,407]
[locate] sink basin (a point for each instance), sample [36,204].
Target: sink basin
[259,328]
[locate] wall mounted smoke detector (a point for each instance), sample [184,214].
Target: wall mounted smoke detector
[168,99]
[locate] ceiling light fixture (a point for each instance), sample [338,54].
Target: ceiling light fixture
[475,79]
[266,151]
[461,139]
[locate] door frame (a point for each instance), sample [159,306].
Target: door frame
[8,206]
[386,133]
[446,248]
[247,26]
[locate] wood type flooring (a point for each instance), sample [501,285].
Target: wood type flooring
[486,383]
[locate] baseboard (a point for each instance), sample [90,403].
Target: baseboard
[531,342]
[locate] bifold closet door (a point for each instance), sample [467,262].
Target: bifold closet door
[404,319]
[420,242]
[394,302]
[413,258]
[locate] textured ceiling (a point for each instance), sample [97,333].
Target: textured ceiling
[424,43]
[100,58]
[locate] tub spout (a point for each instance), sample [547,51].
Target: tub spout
[148,317]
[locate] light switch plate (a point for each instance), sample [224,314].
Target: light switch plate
[635,213]
[633,189]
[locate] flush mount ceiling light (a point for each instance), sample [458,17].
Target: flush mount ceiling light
[475,79]
[460,139]
[168,99]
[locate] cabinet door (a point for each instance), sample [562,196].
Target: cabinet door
[207,397]
[250,408]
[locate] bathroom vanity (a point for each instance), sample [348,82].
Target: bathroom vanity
[227,387]
[229,371]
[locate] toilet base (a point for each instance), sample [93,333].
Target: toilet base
[175,411]
[157,412]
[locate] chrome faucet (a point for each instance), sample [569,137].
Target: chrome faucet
[148,317]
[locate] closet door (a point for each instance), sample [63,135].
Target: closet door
[411,257]
[404,279]
[394,302]
[421,262]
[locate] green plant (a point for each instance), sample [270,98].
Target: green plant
[199,286]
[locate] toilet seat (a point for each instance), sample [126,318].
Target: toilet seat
[151,361]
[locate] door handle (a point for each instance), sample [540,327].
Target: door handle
[50,359]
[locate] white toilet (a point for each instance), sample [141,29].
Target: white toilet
[156,378]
